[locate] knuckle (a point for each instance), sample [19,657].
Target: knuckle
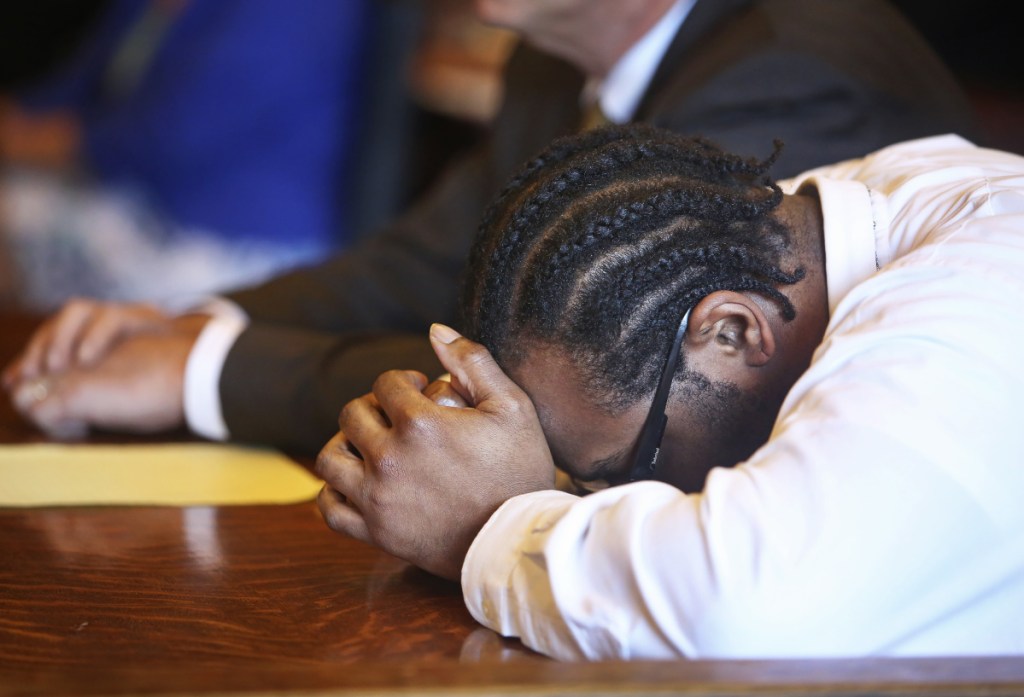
[139,315]
[418,425]
[325,461]
[474,353]
[78,306]
[412,419]
[383,464]
[347,415]
[74,304]
[322,463]
[385,380]
[518,407]
[331,515]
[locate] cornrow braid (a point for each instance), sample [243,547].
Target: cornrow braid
[600,243]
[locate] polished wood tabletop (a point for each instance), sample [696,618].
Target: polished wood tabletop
[266,600]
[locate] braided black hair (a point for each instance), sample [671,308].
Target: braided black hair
[599,244]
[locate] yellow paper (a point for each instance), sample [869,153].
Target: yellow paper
[188,474]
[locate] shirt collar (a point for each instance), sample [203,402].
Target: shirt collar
[621,90]
[854,221]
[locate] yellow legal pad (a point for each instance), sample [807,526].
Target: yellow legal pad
[187,474]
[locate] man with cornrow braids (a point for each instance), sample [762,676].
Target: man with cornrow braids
[642,256]
[805,397]
[275,365]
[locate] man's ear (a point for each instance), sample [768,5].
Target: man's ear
[732,326]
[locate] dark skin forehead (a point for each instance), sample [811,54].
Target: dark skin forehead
[585,441]
[591,443]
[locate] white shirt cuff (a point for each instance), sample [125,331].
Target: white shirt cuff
[205,362]
[493,575]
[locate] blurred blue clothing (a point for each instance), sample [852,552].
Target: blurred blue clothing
[235,117]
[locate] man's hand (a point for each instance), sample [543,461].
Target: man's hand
[118,367]
[79,335]
[420,479]
[441,392]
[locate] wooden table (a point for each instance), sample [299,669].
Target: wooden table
[265,599]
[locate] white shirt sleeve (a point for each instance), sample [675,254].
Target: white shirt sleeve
[791,558]
[203,412]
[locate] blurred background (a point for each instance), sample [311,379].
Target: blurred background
[153,149]
[978,41]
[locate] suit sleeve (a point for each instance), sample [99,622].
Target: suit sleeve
[321,335]
[285,386]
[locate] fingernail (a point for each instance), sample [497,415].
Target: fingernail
[443,333]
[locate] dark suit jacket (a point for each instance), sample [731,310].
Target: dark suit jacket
[833,79]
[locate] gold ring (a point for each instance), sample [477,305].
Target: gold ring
[39,389]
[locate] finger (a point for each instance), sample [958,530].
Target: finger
[474,371]
[72,323]
[28,364]
[363,424]
[67,331]
[340,515]
[341,467]
[442,393]
[97,335]
[364,427]
[400,394]
[12,373]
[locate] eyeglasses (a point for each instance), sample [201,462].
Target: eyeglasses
[648,445]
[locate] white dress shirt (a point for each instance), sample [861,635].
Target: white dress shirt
[884,514]
[620,92]
[619,95]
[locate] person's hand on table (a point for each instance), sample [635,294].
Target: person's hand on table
[419,479]
[79,335]
[107,365]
